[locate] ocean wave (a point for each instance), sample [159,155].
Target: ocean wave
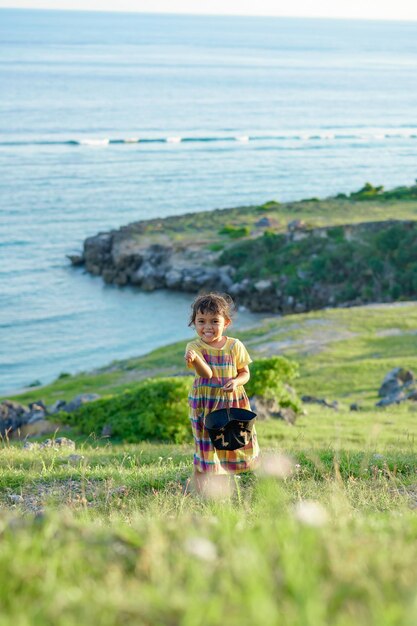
[94,142]
[325,136]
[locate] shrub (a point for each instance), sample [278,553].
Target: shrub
[235,232]
[216,247]
[368,191]
[156,409]
[270,378]
[268,206]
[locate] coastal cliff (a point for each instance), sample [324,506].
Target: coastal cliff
[267,262]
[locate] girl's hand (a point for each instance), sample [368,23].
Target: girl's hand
[190,356]
[230,386]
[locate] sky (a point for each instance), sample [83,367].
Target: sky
[362,9]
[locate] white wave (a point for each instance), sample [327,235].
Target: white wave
[173,139]
[132,140]
[242,138]
[94,142]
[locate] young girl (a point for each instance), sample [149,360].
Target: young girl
[221,366]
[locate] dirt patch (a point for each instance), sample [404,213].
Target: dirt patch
[320,333]
[72,493]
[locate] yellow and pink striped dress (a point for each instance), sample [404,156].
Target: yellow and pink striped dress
[206,395]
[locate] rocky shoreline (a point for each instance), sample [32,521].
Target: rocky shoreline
[125,257]
[128,256]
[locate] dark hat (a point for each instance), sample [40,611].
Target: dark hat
[230,428]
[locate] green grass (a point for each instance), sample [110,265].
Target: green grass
[111,537]
[203,228]
[343,353]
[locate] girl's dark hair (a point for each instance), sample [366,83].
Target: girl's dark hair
[216,303]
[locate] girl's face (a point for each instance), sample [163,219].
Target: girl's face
[210,326]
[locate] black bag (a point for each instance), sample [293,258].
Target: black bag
[230,428]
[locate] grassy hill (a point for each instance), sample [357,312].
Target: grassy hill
[324,534]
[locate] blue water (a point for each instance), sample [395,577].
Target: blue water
[110,118]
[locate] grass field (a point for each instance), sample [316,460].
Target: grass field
[325,533]
[216,227]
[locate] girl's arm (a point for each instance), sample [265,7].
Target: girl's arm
[242,378]
[202,368]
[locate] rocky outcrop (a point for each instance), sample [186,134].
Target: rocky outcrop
[398,385]
[132,256]
[265,408]
[20,421]
[122,258]
[322,401]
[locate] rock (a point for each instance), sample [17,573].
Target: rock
[121,279]
[225,278]
[125,253]
[59,442]
[97,252]
[300,307]
[108,274]
[287,414]
[37,406]
[29,445]
[76,259]
[355,406]
[75,458]
[16,498]
[173,278]
[36,416]
[264,222]
[197,278]
[265,408]
[148,277]
[59,405]
[395,398]
[263,285]
[79,400]
[322,401]
[397,386]
[107,430]
[296,225]
[395,380]
[12,416]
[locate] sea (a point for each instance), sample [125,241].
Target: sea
[109,118]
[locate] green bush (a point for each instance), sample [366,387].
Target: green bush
[157,409]
[364,266]
[270,378]
[367,192]
[269,206]
[64,375]
[216,247]
[235,232]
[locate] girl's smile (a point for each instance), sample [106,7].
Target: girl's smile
[210,327]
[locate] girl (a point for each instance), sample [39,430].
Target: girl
[221,367]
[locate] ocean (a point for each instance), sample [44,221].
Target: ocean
[110,118]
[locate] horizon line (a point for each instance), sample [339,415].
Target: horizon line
[187,14]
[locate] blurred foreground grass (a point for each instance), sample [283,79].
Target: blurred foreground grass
[114,536]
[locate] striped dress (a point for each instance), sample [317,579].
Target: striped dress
[206,395]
